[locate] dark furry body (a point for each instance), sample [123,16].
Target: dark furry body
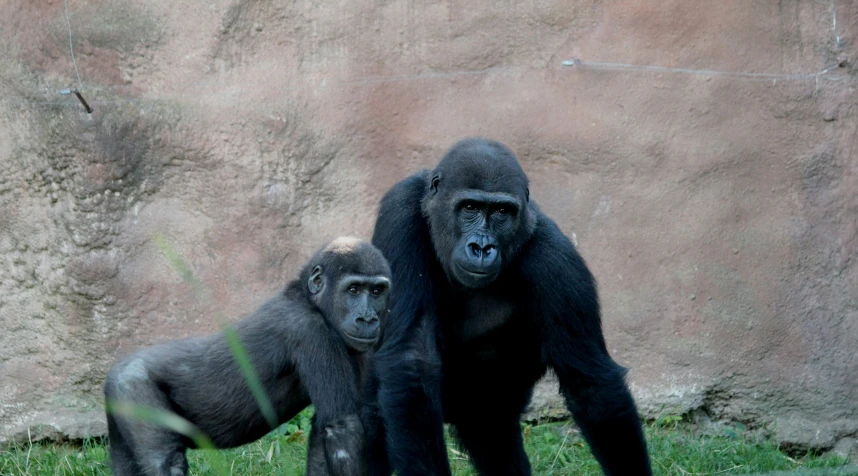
[297,351]
[471,357]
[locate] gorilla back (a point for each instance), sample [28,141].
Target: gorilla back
[489,295]
[307,344]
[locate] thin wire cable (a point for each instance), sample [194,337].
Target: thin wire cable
[434,75]
[702,72]
[774,78]
[71,45]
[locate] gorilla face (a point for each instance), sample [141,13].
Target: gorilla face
[477,208]
[360,300]
[353,303]
[351,286]
[484,222]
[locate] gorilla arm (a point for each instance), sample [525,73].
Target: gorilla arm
[565,305]
[328,374]
[409,382]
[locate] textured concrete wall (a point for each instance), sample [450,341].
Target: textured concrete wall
[715,198]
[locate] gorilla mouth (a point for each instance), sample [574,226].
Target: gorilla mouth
[471,278]
[363,340]
[479,274]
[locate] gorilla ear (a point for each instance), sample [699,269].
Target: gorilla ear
[317,280]
[436,180]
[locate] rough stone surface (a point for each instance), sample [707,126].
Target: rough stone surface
[715,198]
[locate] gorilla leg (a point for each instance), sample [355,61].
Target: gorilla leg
[374,435]
[121,457]
[337,449]
[138,446]
[494,445]
[344,447]
[317,465]
[605,411]
[409,398]
[152,450]
[486,423]
[484,406]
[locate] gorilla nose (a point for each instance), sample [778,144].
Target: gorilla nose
[482,251]
[478,251]
[367,319]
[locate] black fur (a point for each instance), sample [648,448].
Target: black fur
[488,296]
[299,345]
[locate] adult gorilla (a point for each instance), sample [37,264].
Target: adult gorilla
[489,294]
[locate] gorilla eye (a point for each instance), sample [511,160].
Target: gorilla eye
[470,207]
[502,211]
[376,291]
[353,289]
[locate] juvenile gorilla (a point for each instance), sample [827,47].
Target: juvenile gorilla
[307,344]
[489,295]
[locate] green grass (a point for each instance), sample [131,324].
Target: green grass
[554,449]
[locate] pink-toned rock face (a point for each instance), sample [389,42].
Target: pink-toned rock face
[715,199]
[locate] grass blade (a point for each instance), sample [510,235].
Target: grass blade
[238,350]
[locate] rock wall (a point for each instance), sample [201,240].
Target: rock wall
[701,154]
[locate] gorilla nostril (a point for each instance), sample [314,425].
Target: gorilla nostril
[475,249]
[367,320]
